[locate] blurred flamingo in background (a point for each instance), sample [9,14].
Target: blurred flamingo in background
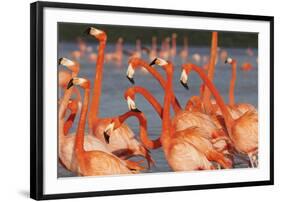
[242,107]
[184,52]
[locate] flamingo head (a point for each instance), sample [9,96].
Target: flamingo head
[84,83]
[98,34]
[167,65]
[133,63]
[109,129]
[71,65]
[131,104]
[184,75]
[229,60]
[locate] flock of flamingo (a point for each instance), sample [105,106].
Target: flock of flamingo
[206,134]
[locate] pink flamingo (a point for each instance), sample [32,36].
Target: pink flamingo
[123,141]
[95,162]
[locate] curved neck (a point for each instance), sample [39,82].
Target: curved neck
[211,71]
[232,84]
[228,119]
[150,98]
[175,103]
[150,144]
[79,139]
[96,93]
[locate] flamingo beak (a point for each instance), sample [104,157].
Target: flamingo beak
[132,105]
[130,74]
[153,62]
[70,84]
[66,62]
[108,129]
[106,137]
[87,31]
[93,31]
[159,62]
[60,61]
[132,81]
[183,79]
[228,60]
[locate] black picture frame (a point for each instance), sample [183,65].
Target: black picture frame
[36,99]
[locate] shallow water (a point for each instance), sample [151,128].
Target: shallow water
[115,83]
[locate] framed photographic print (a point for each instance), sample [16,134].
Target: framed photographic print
[135,100]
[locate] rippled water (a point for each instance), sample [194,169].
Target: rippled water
[115,83]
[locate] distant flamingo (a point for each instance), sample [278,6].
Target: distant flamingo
[117,55]
[246,66]
[123,142]
[186,149]
[173,51]
[184,52]
[243,107]
[243,132]
[95,162]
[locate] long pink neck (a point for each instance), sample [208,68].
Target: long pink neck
[227,116]
[232,84]
[211,71]
[175,103]
[150,144]
[166,121]
[96,94]
[79,139]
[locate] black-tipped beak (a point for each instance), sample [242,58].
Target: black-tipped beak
[153,62]
[59,61]
[87,31]
[136,110]
[70,83]
[184,85]
[106,137]
[132,81]
[225,62]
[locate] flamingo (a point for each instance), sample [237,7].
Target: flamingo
[123,141]
[243,131]
[66,140]
[117,55]
[119,120]
[174,45]
[184,51]
[186,149]
[95,162]
[243,107]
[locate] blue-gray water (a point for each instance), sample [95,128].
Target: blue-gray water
[115,83]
